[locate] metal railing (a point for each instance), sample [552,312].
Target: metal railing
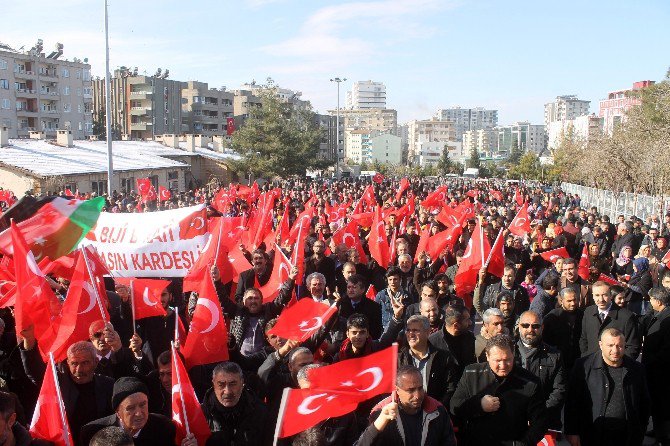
[619,203]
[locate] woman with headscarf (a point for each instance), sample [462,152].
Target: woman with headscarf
[638,287]
[623,265]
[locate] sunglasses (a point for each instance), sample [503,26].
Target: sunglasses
[533,326]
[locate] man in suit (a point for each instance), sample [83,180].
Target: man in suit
[606,314]
[260,271]
[356,303]
[131,406]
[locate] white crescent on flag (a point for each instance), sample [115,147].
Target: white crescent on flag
[211,307]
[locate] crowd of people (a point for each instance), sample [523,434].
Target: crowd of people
[541,349]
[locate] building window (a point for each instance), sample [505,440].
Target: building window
[66,72]
[78,74]
[6,104]
[3,64]
[81,126]
[66,108]
[87,75]
[4,84]
[79,109]
[99,187]
[66,91]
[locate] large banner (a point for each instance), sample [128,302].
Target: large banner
[153,244]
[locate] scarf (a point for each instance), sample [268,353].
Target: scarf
[621,260]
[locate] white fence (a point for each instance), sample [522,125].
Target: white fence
[619,203]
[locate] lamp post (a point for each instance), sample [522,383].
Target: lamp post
[337,127]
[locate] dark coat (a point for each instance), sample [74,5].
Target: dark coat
[371,309]
[462,347]
[485,297]
[588,395]
[618,318]
[246,427]
[441,372]
[159,430]
[543,303]
[437,429]
[562,330]
[522,414]
[639,286]
[656,359]
[247,279]
[326,267]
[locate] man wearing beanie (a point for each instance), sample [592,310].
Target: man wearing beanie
[131,406]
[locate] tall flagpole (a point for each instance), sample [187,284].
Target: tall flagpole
[108,110]
[61,408]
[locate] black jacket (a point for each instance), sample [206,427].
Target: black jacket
[588,394]
[562,330]
[159,430]
[247,279]
[485,297]
[618,318]
[546,364]
[371,309]
[656,346]
[522,413]
[243,425]
[441,372]
[462,347]
[436,427]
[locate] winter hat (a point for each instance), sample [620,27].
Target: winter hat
[126,386]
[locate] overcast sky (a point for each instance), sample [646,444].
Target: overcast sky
[510,55]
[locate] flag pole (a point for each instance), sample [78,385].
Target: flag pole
[61,409]
[95,285]
[176,324]
[181,395]
[218,242]
[132,303]
[481,240]
[394,369]
[280,419]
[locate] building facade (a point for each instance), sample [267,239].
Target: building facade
[582,128]
[141,106]
[467,119]
[206,110]
[485,141]
[526,136]
[367,94]
[613,109]
[357,148]
[428,131]
[40,92]
[386,148]
[565,108]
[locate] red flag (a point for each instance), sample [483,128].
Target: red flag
[448,216]
[215,252]
[349,236]
[392,247]
[472,193]
[68,193]
[607,279]
[554,254]
[666,258]
[496,260]
[230,126]
[187,414]
[443,240]
[193,225]
[518,197]
[496,194]
[468,271]
[336,389]
[146,296]
[280,271]
[304,219]
[404,184]
[143,186]
[164,193]
[378,178]
[423,243]
[222,200]
[302,320]
[35,301]
[584,264]
[465,210]
[364,219]
[548,440]
[521,224]
[49,419]
[435,198]
[298,257]
[379,248]
[369,196]
[371,293]
[207,341]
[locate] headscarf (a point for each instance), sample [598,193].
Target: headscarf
[621,260]
[641,264]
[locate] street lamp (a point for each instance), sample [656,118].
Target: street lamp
[337,127]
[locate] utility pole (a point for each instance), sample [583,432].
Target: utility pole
[337,126]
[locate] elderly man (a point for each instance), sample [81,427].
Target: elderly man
[131,407]
[86,394]
[115,360]
[493,324]
[501,402]
[606,314]
[315,288]
[542,361]
[234,414]
[414,418]
[608,400]
[318,262]
[438,367]
[455,337]
[431,310]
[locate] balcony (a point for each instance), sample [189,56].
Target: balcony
[50,111]
[48,73]
[141,94]
[140,111]
[141,126]
[24,74]
[25,92]
[26,112]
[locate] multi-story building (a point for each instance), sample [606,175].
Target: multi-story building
[250,95]
[526,136]
[40,92]
[367,94]
[613,109]
[386,148]
[428,131]
[327,125]
[357,147]
[466,119]
[141,106]
[372,120]
[206,110]
[565,108]
[485,141]
[582,128]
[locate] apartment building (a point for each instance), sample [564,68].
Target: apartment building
[142,106]
[207,111]
[613,109]
[526,136]
[582,128]
[485,141]
[565,108]
[467,119]
[435,131]
[367,94]
[43,92]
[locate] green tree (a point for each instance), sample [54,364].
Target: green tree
[529,168]
[278,139]
[515,154]
[445,165]
[474,161]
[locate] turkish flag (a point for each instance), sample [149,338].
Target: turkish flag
[435,198]
[164,193]
[378,178]
[443,240]
[282,230]
[371,293]
[607,279]
[377,244]
[584,264]
[298,257]
[448,216]
[207,340]
[263,227]
[146,296]
[392,247]
[300,321]
[521,224]
[465,210]
[143,186]
[496,194]
[83,305]
[473,260]
[472,193]
[496,260]
[222,200]
[337,389]
[215,252]
[35,301]
[49,419]
[349,236]
[187,414]
[68,193]
[423,243]
[304,219]
[364,219]
[193,225]
[369,196]
[280,270]
[404,184]
[554,254]
[666,258]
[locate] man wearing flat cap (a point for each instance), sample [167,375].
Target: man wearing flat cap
[131,407]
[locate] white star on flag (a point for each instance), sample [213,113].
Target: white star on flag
[40,240]
[348,383]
